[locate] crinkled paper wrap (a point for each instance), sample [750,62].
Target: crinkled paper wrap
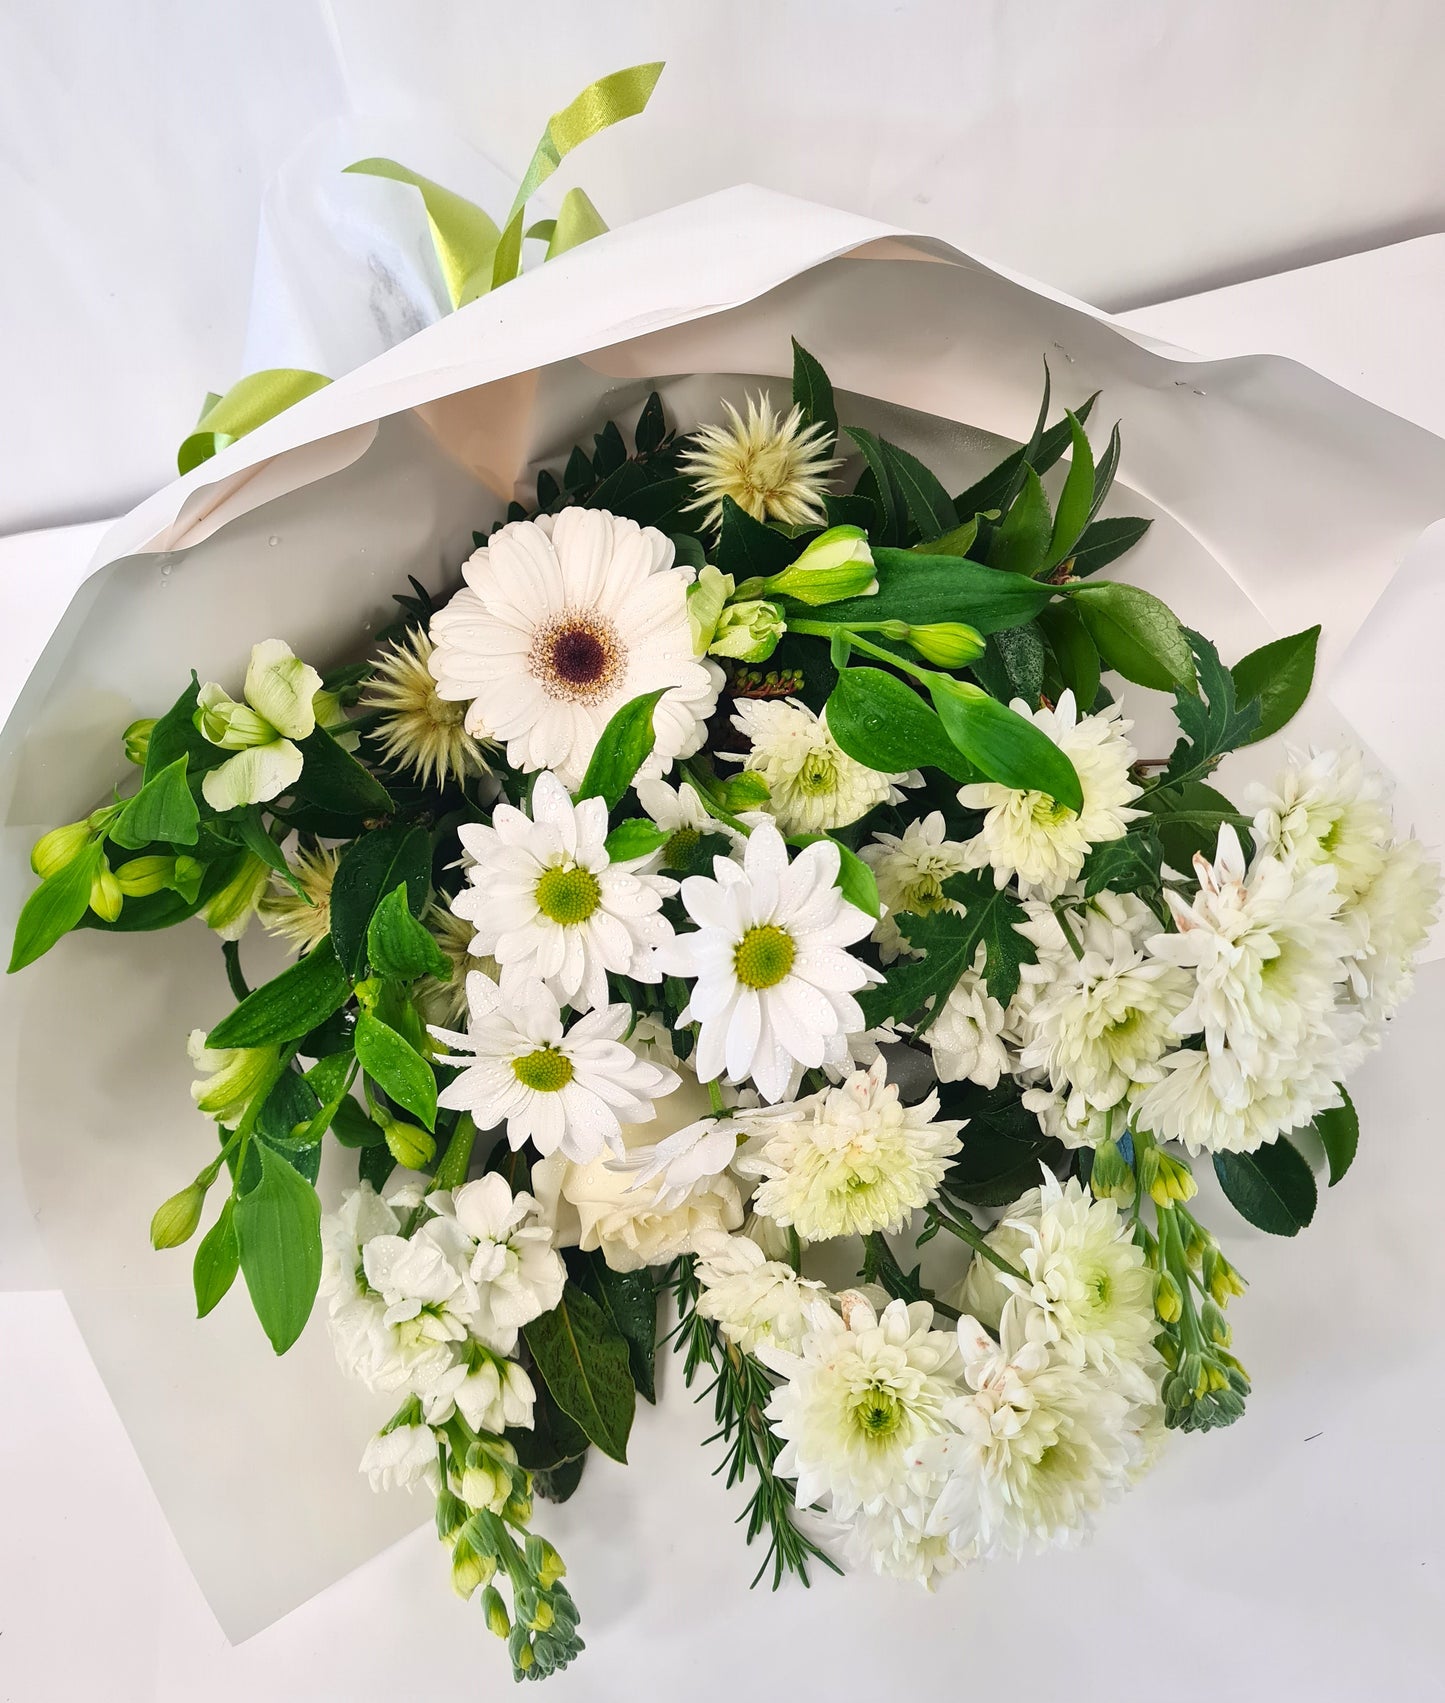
[1279,499]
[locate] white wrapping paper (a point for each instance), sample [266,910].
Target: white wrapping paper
[1280,500]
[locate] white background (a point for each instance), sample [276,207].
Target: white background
[1122,151]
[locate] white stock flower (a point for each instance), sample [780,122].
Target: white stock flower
[562,621]
[1032,836]
[814,785]
[755,1301]
[518,1274]
[850,1160]
[549,904]
[910,869]
[401,1458]
[968,1037]
[422,1281]
[568,1091]
[599,1205]
[773,981]
[494,1395]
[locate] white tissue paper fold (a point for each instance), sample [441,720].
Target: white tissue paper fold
[1280,500]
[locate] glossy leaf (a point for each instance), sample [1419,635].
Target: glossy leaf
[747,549]
[278,1237]
[1076,500]
[162,812]
[218,1259]
[398,945]
[1104,541]
[1074,651]
[636,837]
[629,1300]
[888,498]
[586,1367]
[1004,745]
[880,721]
[1279,675]
[1273,1187]
[1339,1133]
[1137,635]
[919,588]
[397,1068]
[55,907]
[332,779]
[1020,545]
[289,1005]
[625,745]
[813,391]
[856,881]
[929,506]
[371,867]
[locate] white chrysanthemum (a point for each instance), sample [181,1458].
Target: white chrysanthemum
[1327,808]
[1108,1013]
[564,1091]
[419,730]
[1033,837]
[968,1037]
[1214,1110]
[860,1399]
[774,984]
[517,1273]
[896,1543]
[910,869]
[756,1302]
[562,621]
[302,919]
[401,1458]
[1087,1287]
[1038,1444]
[1266,950]
[549,904]
[850,1160]
[772,466]
[1070,1119]
[1394,917]
[814,785]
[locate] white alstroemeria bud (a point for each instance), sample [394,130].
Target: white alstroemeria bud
[705,599]
[106,897]
[229,1076]
[748,632]
[143,876]
[947,644]
[837,564]
[59,848]
[175,1220]
[137,740]
[411,1147]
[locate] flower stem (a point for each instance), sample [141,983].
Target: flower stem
[966,1230]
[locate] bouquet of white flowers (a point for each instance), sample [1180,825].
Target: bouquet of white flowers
[744,878]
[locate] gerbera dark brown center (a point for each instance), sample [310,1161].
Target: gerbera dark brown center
[577,656]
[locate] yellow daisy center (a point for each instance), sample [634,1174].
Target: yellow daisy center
[545,1071]
[764,956]
[680,850]
[568,896]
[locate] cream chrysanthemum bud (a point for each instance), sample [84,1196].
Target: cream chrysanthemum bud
[419,731]
[303,919]
[773,467]
[910,869]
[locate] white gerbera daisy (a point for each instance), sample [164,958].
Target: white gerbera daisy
[562,621]
[814,784]
[773,467]
[774,984]
[968,1037]
[1032,836]
[755,1301]
[549,904]
[1087,1287]
[910,869]
[302,919]
[419,730]
[862,1396]
[565,1092]
[850,1160]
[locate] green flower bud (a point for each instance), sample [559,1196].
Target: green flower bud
[175,1220]
[837,564]
[521,1650]
[748,632]
[451,1516]
[232,726]
[1168,1301]
[947,644]
[106,897]
[544,1561]
[52,852]
[1220,1278]
[471,1567]
[705,599]
[137,739]
[99,821]
[518,1509]
[412,1148]
[485,1483]
[230,909]
[145,875]
[499,1623]
[1112,1178]
[542,1616]
[1163,1178]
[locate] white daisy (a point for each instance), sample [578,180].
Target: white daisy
[862,1396]
[910,869]
[681,811]
[562,621]
[773,467]
[814,784]
[669,1170]
[550,905]
[774,984]
[968,1037]
[850,1160]
[1032,836]
[755,1301]
[567,1092]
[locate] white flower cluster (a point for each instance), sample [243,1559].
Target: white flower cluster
[427,1294]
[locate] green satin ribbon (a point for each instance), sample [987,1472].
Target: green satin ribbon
[475,255]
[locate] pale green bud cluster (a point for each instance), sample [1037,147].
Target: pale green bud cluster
[838,564]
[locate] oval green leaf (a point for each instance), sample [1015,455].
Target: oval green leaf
[586,1367]
[1280,675]
[1273,1187]
[880,721]
[1137,635]
[1339,1133]
[398,945]
[1006,746]
[289,1005]
[625,745]
[397,1068]
[278,1236]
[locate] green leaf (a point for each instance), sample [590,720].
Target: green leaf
[1104,541]
[1211,721]
[958,542]
[397,1067]
[1003,1145]
[1273,1187]
[278,1237]
[397,944]
[1006,746]
[993,490]
[370,867]
[629,1299]
[883,723]
[920,589]
[1021,543]
[813,391]
[1074,651]
[1129,864]
[662,503]
[1137,635]
[578,471]
[218,1259]
[889,499]
[929,506]
[609,452]
[251,831]
[1187,819]
[1339,1133]
[352,1128]
[1280,675]
[55,907]
[1104,474]
[176,735]
[651,428]
[332,779]
[586,1367]
[1012,665]
[949,942]
[163,811]
[289,1005]
[748,549]
[1076,500]
[636,837]
[625,745]
[856,881]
